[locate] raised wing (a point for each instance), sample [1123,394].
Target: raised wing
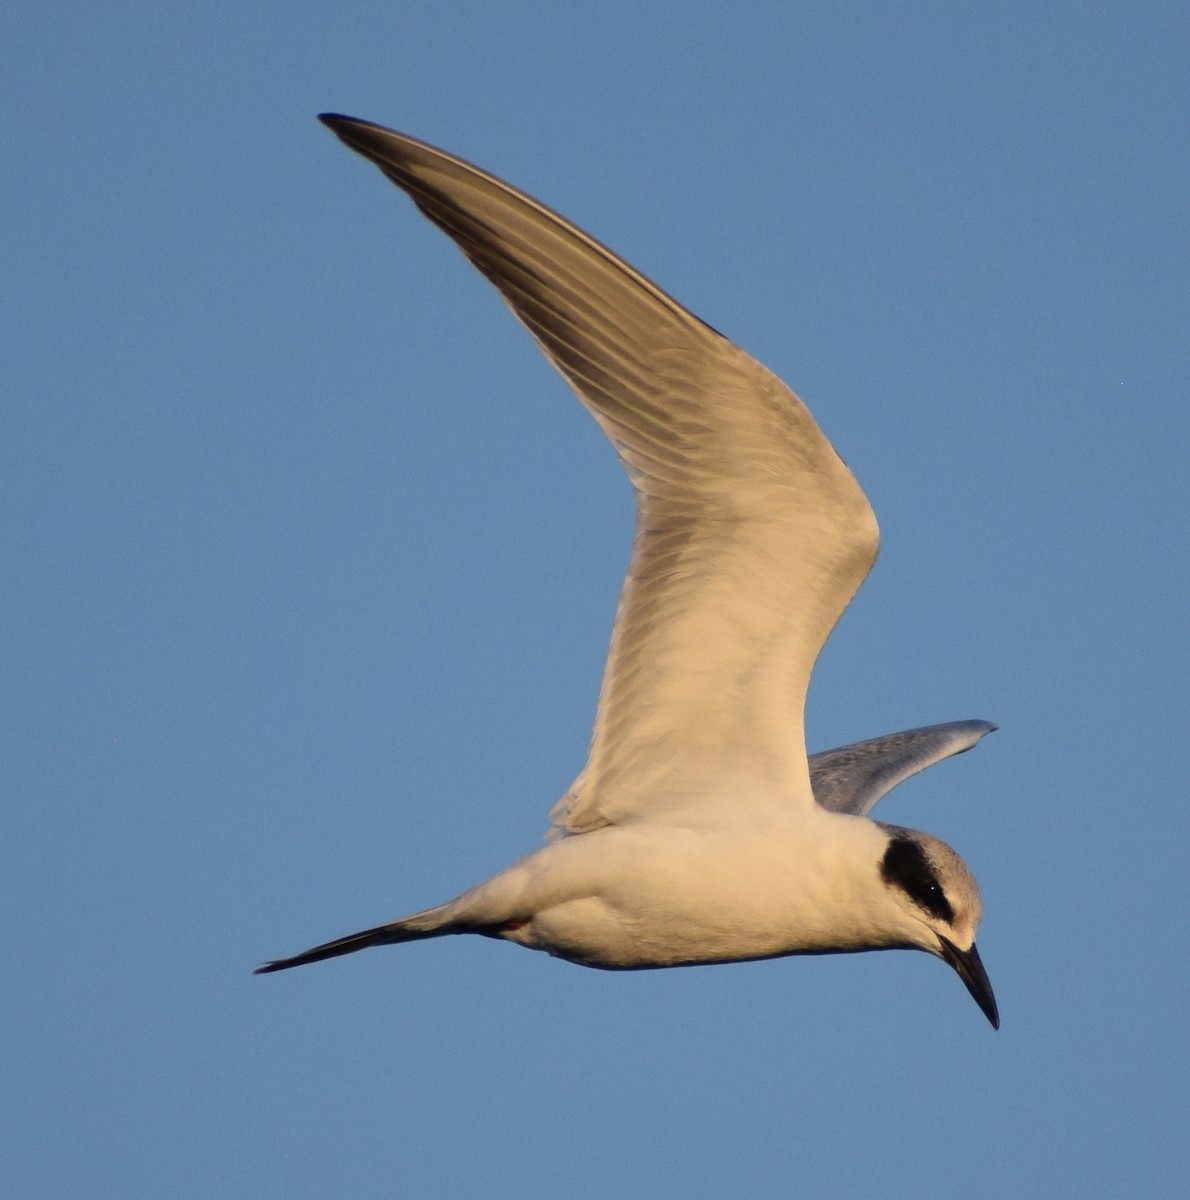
[751,536]
[852,779]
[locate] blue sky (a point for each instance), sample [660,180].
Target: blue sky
[311,561]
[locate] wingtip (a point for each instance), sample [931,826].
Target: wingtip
[338,123]
[976,731]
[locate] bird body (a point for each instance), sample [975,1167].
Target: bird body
[652,893]
[699,831]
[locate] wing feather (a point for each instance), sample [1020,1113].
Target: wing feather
[752,535]
[852,779]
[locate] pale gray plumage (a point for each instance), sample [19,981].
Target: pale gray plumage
[851,779]
[698,830]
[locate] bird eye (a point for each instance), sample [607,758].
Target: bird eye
[906,866]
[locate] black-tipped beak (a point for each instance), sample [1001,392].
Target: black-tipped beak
[970,970]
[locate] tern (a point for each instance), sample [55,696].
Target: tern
[699,831]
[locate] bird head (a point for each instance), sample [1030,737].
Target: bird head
[940,906]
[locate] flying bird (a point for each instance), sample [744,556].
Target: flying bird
[699,831]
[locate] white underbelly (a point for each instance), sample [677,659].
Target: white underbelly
[668,898]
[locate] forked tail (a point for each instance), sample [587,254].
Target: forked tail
[426,924]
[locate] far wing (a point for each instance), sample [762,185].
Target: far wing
[851,779]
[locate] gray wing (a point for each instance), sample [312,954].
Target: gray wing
[851,779]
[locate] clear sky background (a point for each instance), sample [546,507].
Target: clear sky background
[310,561]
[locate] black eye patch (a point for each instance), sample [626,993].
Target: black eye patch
[905,866]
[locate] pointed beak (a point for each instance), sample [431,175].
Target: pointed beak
[970,970]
